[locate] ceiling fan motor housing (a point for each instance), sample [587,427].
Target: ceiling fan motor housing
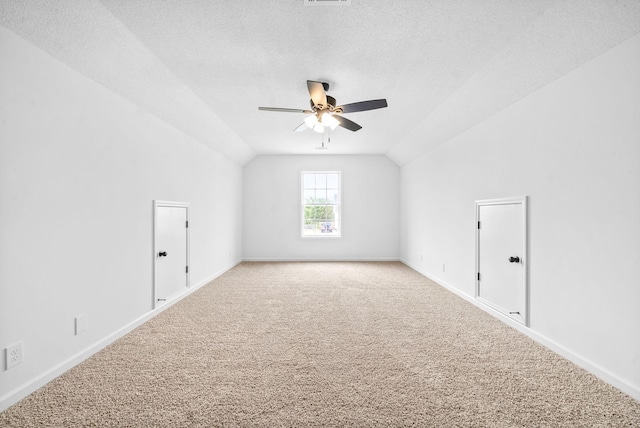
[331,105]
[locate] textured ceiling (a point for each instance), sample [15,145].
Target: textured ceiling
[205,66]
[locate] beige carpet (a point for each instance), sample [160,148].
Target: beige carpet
[325,344]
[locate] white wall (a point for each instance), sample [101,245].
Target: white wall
[79,170]
[370,203]
[574,148]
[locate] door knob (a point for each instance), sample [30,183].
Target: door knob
[515,259]
[162,254]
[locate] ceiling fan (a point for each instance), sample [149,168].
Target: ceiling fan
[324,111]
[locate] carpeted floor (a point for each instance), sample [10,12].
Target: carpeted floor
[325,344]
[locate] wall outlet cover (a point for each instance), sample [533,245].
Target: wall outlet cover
[13,355]
[81,324]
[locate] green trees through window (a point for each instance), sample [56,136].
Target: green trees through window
[320,203]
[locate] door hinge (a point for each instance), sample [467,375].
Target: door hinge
[187,223]
[478,225]
[187,270]
[478,276]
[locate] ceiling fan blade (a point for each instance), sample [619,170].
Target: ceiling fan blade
[363,106]
[318,95]
[301,127]
[287,110]
[346,123]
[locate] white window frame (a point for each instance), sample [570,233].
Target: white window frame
[338,210]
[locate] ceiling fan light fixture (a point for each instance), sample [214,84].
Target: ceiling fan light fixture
[311,120]
[318,128]
[330,121]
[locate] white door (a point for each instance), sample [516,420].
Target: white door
[171,272]
[501,257]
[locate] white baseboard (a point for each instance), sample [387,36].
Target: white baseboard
[17,394]
[593,368]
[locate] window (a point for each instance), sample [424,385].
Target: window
[320,198]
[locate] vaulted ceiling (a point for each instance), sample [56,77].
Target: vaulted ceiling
[206,65]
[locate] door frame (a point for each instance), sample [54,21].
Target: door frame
[524,201]
[160,204]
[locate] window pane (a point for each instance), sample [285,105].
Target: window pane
[321,196]
[309,196]
[332,181]
[326,227]
[333,196]
[312,213]
[309,181]
[330,215]
[311,228]
[321,181]
[326,213]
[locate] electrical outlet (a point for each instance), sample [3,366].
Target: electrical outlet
[81,324]
[13,355]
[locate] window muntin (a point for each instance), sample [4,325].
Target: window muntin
[320,197]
